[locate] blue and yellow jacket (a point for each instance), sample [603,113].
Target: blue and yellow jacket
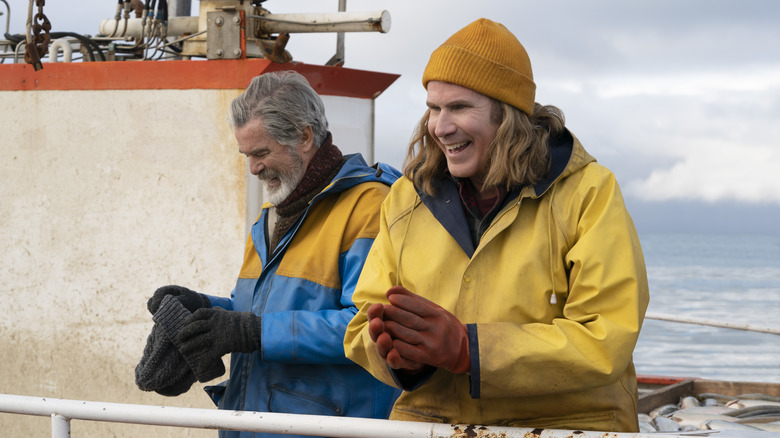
[303,293]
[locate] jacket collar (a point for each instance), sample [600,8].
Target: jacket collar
[567,156]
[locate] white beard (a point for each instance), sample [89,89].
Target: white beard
[278,194]
[289,180]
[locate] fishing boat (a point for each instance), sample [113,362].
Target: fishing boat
[120,174]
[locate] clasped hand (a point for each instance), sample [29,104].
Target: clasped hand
[208,334]
[412,332]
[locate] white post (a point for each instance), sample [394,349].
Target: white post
[60,426]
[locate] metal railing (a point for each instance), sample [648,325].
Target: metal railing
[62,411]
[713,323]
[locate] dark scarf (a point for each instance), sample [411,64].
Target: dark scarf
[324,166]
[479,213]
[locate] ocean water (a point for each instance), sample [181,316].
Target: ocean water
[727,278]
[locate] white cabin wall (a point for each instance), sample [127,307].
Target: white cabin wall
[105,196]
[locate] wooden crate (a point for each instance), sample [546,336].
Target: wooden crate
[655,393]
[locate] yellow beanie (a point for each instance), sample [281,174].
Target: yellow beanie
[485,57]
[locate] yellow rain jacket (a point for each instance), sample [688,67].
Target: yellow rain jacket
[562,362]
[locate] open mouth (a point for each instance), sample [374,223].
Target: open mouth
[272,182]
[457,147]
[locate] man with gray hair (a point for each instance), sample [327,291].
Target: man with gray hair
[285,320]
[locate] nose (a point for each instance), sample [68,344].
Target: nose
[441,124]
[256,165]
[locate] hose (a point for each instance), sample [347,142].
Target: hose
[85,41]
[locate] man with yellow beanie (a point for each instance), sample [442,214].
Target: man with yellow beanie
[507,284]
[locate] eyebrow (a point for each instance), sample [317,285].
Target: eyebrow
[458,102]
[256,151]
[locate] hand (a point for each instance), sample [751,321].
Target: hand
[209,334]
[422,332]
[191,300]
[384,342]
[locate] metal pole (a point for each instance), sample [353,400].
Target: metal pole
[60,426]
[179,8]
[269,422]
[375,21]
[709,322]
[338,57]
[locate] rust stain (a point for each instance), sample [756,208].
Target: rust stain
[473,431]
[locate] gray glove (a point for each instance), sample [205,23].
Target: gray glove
[191,300]
[211,333]
[162,368]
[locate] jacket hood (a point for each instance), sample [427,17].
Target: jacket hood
[356,171]
[567,156]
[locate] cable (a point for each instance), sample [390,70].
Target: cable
[84,40]
[91,45]
[29,22]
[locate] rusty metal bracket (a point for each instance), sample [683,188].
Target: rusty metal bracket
[275,52]
[39,44]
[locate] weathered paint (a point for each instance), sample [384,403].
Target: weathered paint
[182,75]
[107,193]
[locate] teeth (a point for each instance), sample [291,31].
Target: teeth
[452,147]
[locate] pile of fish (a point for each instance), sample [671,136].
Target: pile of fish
[707,411]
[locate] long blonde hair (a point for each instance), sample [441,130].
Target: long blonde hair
[517,155]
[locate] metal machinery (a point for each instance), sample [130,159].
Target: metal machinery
[223,29]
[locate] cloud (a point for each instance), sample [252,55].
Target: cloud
[707,85]
[715,172]
[687,134]
[715,130]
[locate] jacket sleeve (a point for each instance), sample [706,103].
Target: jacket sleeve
[223,302]
[378,275]
[597,256]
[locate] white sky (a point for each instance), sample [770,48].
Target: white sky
[679,98]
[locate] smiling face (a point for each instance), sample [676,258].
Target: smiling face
[462,124]
[277,166]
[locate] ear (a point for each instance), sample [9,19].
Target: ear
[307,146]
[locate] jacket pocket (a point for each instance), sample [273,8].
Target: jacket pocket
[216,392]
[292,402]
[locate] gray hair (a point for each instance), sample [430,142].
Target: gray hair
[286,103]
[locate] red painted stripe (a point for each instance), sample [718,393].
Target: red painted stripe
[662,380]
[184,75]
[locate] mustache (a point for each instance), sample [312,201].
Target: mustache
[267,174]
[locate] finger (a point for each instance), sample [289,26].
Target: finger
[398,362]
[383,345]
[376,310]
[413,353]
[413,303]
[404,317]
[398,331]
[375,328]
[398,290]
